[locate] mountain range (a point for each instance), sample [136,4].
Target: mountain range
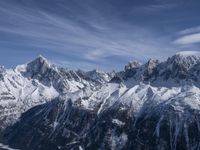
[151,106]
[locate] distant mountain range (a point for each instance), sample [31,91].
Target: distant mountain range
[151,106]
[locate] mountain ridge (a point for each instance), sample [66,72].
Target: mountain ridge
[155,105]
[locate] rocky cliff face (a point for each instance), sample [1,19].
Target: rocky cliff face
[155,105]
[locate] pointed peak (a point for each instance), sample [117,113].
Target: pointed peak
[154,61]
[96,71]
[132,64]
[38,65]
[41,58]
[186,56]
[33,65]
[183,60]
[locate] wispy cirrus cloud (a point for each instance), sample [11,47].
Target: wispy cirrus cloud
[84,39]
[192,30]
[188,36]
[188,39]
[94,33]
[154,8]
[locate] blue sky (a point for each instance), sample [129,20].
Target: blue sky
[102,34]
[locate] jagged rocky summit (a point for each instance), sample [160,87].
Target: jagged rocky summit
[152,106]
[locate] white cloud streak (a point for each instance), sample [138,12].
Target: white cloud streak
[188,39]
[88,39]
[190,30]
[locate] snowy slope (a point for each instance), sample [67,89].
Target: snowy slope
[5,147]
[115,114]
[18,94]
[155,105]
[35,83]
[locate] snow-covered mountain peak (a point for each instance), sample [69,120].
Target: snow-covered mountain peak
[181,66]
[187,57]
[152,63]
[132,64]
[41,57]
[97,75]
[188,53]
[96,71]
[37,69]
[156,100]
[184,60]
[40,63]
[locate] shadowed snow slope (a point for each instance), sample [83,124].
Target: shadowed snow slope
[155,105]
[35,83]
